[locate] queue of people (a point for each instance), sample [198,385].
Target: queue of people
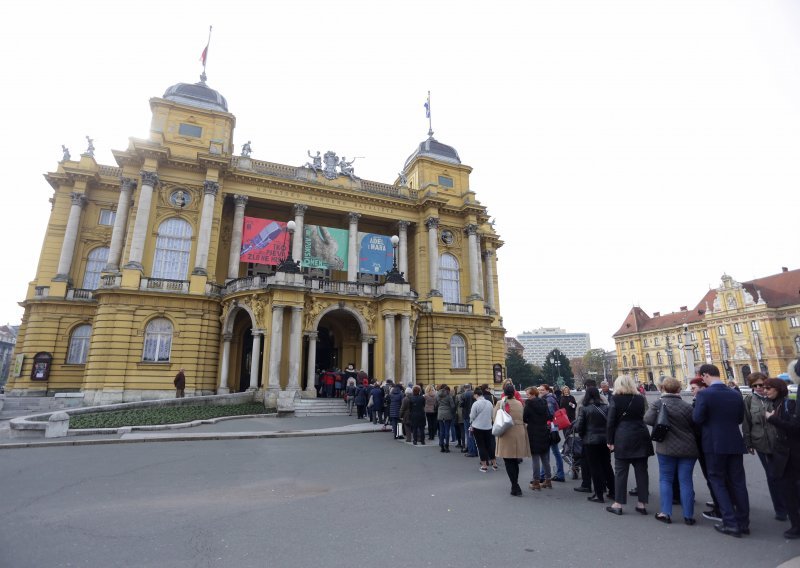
[716,429]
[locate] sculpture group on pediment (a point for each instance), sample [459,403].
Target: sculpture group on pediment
[329,163]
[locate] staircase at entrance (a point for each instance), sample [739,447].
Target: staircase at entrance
[321,407]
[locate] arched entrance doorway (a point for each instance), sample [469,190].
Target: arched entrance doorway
[340,342]
[242,358]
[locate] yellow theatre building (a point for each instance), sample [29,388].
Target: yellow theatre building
[253,275]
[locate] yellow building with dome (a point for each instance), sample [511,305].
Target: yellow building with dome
[254,275]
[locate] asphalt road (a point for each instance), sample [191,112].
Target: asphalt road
[339,501]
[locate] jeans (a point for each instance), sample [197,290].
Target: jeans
[541,462]
[773,485]
[668,466]
[444,432]
[559,463]
[350,401]
[472,449]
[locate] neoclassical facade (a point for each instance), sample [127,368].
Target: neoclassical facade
[143,268]
[739,326]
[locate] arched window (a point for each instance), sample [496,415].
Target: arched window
[157,340]
[95,262]
[625,361]
[449,279]
[633,360]
[458,352]
[79,345]
[647,359]
[696,354]
[173,244]
[659,359]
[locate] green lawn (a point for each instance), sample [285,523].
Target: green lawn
[160,415]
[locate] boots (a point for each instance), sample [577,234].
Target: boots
[535,485]
[548,484]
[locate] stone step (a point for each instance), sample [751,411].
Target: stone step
[320,407]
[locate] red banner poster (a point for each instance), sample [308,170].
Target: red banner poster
[264,241]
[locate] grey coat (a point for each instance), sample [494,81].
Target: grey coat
[446,408]
[758,433]
[680,441]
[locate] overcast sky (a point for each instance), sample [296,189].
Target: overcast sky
[631,152]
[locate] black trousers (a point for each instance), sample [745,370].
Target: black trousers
[791,497]
[621,467]
[512,470]
[586,469]
[433,424]
[599,459]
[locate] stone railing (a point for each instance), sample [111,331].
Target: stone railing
[454,308]
[110,280]
[164,284]
[343,287]
[426,306]
[41,291]
[110,171]
[80,294]
[213,289]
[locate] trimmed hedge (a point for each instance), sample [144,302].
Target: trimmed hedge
[161,415]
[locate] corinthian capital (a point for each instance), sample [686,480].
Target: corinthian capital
[353,217]
[240,200]
[300,209]
[149,178]
[127,184]
[78,199]
[432,223]
[210,188]
[403,226]
[471,229]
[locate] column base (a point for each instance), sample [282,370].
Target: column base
[223,390]
[473,297]
[198,271]
[434,294]
[62,278]
[134,266]
[111,268]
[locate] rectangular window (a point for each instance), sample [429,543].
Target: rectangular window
[693,335]
[737,328]
[656,342]
[721,330]
[107,217]
[754,325]
[190,130]
[705,334]
[794,321]
[445,181]
[645,343]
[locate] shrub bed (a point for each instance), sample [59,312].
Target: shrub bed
[160,415]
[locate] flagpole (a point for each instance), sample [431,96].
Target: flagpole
[430,120]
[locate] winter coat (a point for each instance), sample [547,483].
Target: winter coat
[680,441]
[447,406]
[405,410]
[626,430]
[758,433]
[480,415]
[377,398]
[416,405]
[552,404]
[535,418]
[430,402]
[468,399]
[569,404]
[361,395]
[514,443]
[592,424]
[785,460]
[396,396]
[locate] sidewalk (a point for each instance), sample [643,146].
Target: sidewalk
[226,428]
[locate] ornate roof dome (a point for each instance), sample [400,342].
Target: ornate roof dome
[436,150]
[197,95]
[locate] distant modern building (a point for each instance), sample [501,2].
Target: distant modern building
[512,345]
[8,339]
[539,342]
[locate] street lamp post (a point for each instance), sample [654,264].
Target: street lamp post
[669,357]
[394,276]
[288,264]
[689,348]
[557,364]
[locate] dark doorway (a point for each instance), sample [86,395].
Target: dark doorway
[327,353]
[746,371]
[247,360]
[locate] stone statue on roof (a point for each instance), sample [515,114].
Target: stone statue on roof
[246,150]
[90,149]
[66,155]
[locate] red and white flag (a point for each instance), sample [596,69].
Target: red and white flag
[203,56]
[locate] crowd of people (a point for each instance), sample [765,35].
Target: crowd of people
[717,428]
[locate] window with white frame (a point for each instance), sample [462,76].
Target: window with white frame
[647,359]
[107,217]
[754,325]
[79,345]
[656,342]
[737,328]
[705,334]
[624,360]
[659,359]
[633,360]
[794,321]
[693,335]
[449,278]
[631,345]
[95,263]
[644,343]
[157,340]
[173,244]
[458,352]
[721,330]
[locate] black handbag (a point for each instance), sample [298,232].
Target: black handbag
[661,428]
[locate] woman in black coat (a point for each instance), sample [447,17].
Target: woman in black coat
[417,413]
[785,462]
[629,439]
[591,425]
[361,400]
[535,416]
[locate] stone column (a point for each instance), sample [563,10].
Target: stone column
[120,225]
[149,181]
[70,237]
[295,343]
[223,368]
[364,354]
[352,247]
[402,248]
[236,236]
[299,233]
[489,271]
[255,359]
[432,224]
[388,347]
[413,361]
[479,261]
[474,280]
[275,348]
[210,189]
[311,375]
[405,348]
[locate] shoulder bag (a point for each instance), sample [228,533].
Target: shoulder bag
[661,428]
[502,422]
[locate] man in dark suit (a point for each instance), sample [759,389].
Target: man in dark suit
[719,411]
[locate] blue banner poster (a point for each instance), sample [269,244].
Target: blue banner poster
[324,247]
[374,254]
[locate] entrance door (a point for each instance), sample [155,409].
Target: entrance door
[746,371]
[327,352]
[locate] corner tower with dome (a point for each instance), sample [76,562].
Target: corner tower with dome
[255,275]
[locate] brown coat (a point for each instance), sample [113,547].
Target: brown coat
[514,443]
